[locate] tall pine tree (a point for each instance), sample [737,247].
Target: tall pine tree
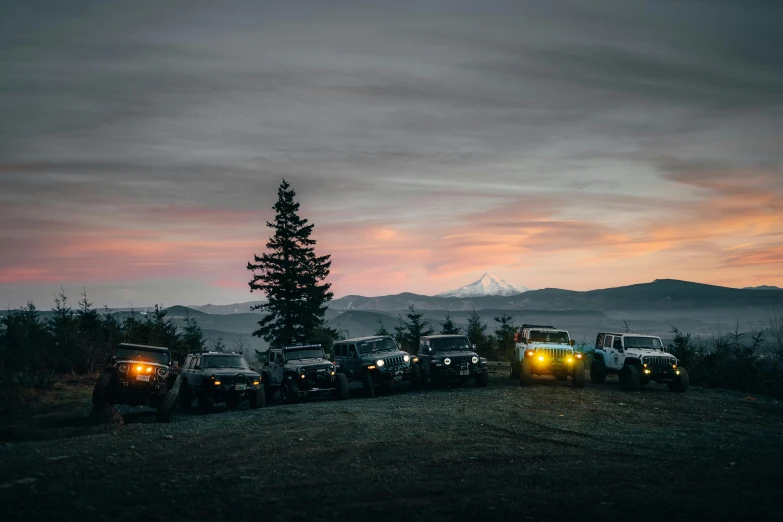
[448,327]
[290,275]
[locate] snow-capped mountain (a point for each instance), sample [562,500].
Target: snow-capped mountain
[488,285]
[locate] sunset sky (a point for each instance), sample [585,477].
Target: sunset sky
[565,144]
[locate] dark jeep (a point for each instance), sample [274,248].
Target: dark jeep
[302,370]
[450,358]
[375,361]
[139,375]
[212,377]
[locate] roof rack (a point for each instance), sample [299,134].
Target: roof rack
[144,347]
[525,326]
[200,352]
[298,346]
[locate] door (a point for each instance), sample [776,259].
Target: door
[611,357]
[276,368]
[352,362]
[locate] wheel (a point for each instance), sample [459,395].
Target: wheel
[340,393]
[416,376]
[185,398]
[289,391]
[682,385]
[578,378]
[103,393]
[630,378]
[205,402]
[436,379]
[482,379]
[257,398]
[232,402]
[598,371]
[525,373]
[169,404]
[368,385]
[269,391]
[514,370]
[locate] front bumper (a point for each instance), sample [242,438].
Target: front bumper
[543,365]
[461,372]
[660,373]
[392,376]
[317,384]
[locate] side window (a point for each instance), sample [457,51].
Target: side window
[197,362]
[608,341]
[279,356]
[618,343]
[599,341]
[351,350]
[340,350]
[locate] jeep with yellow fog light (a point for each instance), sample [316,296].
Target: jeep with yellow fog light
[376,362]
[211,377]
[139,375]
[546,350]
[450,359]
[302,371]
[637,359]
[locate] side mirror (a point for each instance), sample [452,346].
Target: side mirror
[472,346]
[176,364]
[572,342]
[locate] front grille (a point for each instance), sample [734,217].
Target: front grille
[322,373]
[391,362]
[658,361]
[460,359]
[555,353]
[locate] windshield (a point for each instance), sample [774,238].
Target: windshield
[450,343]
[376,345]
[650,343]
[549,337]
[304,353]
[137,354]
[225,361]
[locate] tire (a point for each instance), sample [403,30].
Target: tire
[341,392]
[482,379]
[205,403]
[367,385]
[514,370]
[103,393]
[269,391]
[578,378]
[680,386]
[169,404]
[185,397]
[630,378]
[525,373]
[289,391]
[598,371]
[416,377]
[257,399]
[436,379]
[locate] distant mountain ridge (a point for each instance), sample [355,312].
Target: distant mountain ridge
[488,284]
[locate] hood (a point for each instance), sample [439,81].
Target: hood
[384,354]
[455,353]
[559,346]
[231,371]
[307,363]
[644,352]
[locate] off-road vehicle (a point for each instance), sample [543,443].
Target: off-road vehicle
[637,359]
[375,362]
[212,377]
[450,359]
[302,370]
[546,350]
[139,375]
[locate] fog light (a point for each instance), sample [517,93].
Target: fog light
[570,360]
[677,372]
[674,366]
[646,371]
[303,376]
[217,383]
[541,358]
[139,368]
[332,373]
[255,383]
[530,354]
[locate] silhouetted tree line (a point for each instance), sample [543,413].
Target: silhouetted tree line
[34,348]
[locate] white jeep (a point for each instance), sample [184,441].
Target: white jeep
[637,359]
[546,350]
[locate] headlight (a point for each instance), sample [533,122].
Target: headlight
[406,358]
[162,372]
[474,360]
[446,361]
[379,363]
[124,368]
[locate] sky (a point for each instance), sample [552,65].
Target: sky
[563,144]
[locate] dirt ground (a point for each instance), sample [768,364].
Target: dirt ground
[548,452]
